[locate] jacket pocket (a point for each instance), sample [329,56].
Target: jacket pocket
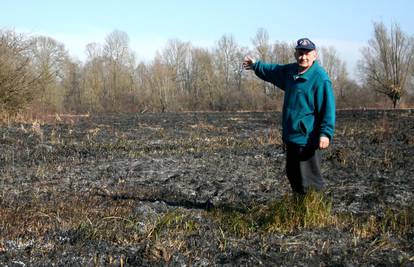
[302,127]
[306,124]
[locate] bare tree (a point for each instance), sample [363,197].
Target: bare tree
[18,82]
[262,45]
[177,56]
[282,53]
[262,49]
[49,57]
[336,69]
[94,82]
[387,61]
[160,85]
[202,82]
[226,60]
[72,84]
[119,63]
[410,89]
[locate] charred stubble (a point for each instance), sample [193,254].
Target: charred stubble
[203,189]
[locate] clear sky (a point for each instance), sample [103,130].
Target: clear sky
[345,24]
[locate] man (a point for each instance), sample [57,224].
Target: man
[308,118]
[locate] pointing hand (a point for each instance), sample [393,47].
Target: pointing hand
[248,62]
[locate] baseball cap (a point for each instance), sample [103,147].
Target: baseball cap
[305,43]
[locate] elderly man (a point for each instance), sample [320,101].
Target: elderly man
[308,112]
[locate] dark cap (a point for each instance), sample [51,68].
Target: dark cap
[305,43]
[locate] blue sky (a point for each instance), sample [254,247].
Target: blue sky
[346,25]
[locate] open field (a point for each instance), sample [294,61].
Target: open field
[202,189]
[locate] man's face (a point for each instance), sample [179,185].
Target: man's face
[305,58]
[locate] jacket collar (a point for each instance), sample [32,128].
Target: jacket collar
[307,74]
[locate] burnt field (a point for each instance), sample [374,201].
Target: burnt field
[202,189]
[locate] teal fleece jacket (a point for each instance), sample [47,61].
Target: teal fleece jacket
[309,103]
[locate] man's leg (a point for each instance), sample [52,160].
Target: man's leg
[303,169]
[310,170]
[293,168]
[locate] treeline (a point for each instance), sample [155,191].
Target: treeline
[37,74]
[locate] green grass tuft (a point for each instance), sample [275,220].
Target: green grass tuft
[288,214]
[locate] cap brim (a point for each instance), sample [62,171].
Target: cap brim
[304,48]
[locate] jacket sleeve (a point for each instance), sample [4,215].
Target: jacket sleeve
[272,73]
[325,104]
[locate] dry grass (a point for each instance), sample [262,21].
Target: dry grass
[392,222]
[270,136]
[90,218]
[84,217]
[312,211]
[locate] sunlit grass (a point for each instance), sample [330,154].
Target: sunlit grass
[285,215]
[173,222]
[82,220]
[114,221]
[312,211]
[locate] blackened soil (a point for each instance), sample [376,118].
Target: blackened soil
[190,163]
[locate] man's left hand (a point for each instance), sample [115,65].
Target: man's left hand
[323,142]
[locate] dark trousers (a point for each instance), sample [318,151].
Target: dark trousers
[303,168]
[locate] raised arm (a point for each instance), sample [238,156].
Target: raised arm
[273,73]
